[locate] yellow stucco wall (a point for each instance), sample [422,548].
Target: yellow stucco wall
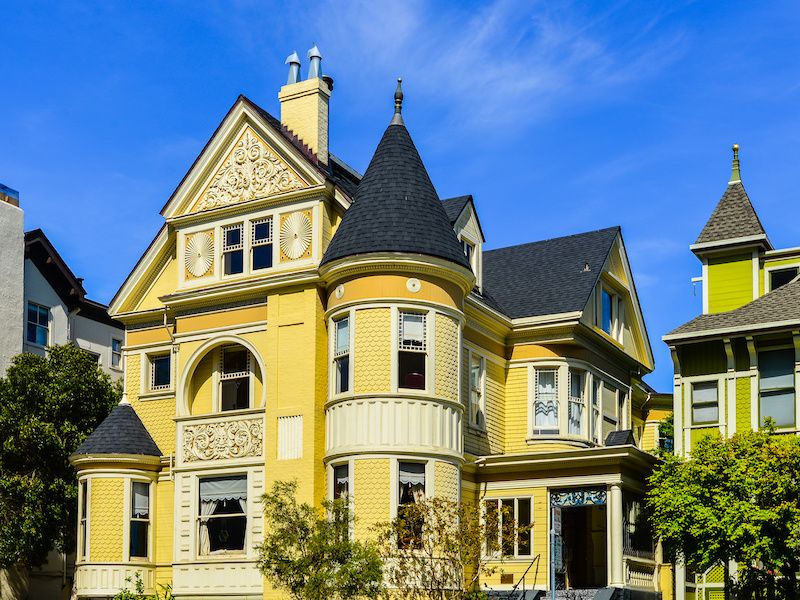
[372,360]
[227,318]
[202,386]
[446,356]
[730,282]
[106,515]
[382,287]
[371,495]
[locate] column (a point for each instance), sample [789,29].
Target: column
[615,535]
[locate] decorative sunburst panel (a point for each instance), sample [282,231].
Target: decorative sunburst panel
[199,255]
[295,235]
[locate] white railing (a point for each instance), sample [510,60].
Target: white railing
[640,573]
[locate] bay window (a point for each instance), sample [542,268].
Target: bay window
[412,351]
[577,402]
[222,522]
[139,519]
[411,491]
[705,403]
[233,249]
[508,526]
[261,243]
[235,379]
[341,355]
[545,407]
[477,402]
[776,386]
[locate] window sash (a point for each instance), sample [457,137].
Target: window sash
[38,322]
[577,402]
[342,337]
[265,238]
[155,361]
[228,243]
[493,510]
[234,374]
[546,400]
[477,374]
[412,331]
[705,402]
[116,352]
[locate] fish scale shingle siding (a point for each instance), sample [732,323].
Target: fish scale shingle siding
[105,519]
[446,357]
[372,360]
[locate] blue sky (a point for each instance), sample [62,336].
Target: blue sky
[559,117]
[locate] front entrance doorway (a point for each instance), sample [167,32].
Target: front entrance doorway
[581,562]
[583,531]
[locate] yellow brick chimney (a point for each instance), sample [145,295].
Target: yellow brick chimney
[304,104]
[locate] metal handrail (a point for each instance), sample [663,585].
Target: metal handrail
[522,578]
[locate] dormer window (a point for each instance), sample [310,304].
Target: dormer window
[469,249]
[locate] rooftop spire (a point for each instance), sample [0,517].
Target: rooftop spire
[397,119]
[735,174]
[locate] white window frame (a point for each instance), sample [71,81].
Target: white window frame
[579,401]
[222,376]
[717,386]
[350,464]
[47,327]
[197,517]
[129,518]
[769,269]
[617,325]
[498,554]
[120,354]
[427,343]
[480,391]
[554,430]
[794,388]
[84,519]
[333,378]
[151,375]
[254,243]
[240,247]
[596,416]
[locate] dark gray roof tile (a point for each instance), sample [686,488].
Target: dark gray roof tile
[734,217]
[121,432]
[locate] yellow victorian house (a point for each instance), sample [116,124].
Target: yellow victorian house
[295,320]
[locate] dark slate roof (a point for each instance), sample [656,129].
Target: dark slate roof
[546,277]
[121,432]
[620,438]
[396,208]
[734,217]
[454,206]
[778,305]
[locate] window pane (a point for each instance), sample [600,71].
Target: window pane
[412,330]
[32,333]
[343,374]
[706,413]
[236,393]
[610,407]
[226,533]
[780,406]
[262,231]
[705,391]
[606,312]
[523,522]
[341,481]
[138,545]
[411,370]
[161,375]
[44,315]
[342,335]
[233,236]
[412,482]
[776,369]
[140,500]
[546,407]
[234,262]
[235,361]
[33,314]
[507,520]
[575,418]
[492,526]
[262,257]
[781,277]
[576,384]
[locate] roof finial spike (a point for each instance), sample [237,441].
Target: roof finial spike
[397,119]
[735,174]
[124,399]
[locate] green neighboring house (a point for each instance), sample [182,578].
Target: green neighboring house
[737,363]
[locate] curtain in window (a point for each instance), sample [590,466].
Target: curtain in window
[575,412]
[213,491]
[141,500]
[207,507]
[546,399]
[412,482]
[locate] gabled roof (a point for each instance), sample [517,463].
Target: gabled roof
[779,307]
[396,208]
[454,206]
[69,288]
[547,277]
[733,218]
[121,432]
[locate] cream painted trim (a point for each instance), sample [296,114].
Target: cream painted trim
[85,463]
[781,252]
[482,384]
[705,285]
[553,482]
[755,274]
[768,270]
[350,313]
[87,480]
[182,395]
[488,355]
[393,261]
[549,319]
[486,310]
[761,237]
[730,330]
[720,379]
[401,395]
[411,304]
[149,560]
[202,334]
[572,362]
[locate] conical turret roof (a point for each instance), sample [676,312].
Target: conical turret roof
[121,432]
[396,208]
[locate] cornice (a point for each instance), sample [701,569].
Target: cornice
[142,462]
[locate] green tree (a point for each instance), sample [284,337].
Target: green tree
[309,552]
[735,500]
[164,592]
[48,406]
[438,549]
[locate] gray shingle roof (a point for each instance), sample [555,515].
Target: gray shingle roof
[778,306]
[620,438]
[454,206]
[734,217]
[396,208]
[121,432]
[546,277]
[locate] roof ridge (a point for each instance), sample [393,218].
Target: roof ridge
[561,237]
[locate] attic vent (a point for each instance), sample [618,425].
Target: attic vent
[586,268]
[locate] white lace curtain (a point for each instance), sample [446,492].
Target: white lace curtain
[214,491]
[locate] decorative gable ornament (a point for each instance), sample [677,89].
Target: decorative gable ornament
[199,254]
[251,171]
[295,235]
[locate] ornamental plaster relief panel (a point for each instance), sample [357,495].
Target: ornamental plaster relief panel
[222,440]
[251,170]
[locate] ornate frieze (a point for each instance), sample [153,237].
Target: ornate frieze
[594,496]
[251,171]
[221,440]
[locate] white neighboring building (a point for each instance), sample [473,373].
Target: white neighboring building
[12,249]
[57,310]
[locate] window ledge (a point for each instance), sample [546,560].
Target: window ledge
[157,394]
[559,439]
